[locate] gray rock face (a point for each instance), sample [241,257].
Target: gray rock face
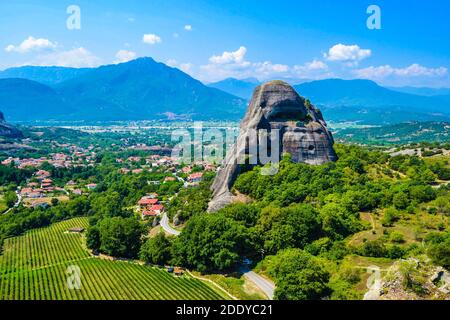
[302,133]
[7,130]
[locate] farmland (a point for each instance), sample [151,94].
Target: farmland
[34,266]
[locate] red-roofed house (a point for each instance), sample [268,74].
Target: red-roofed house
[158,208]
[145,202]
[148,213]
[195,177]
[91,186]
[42,174]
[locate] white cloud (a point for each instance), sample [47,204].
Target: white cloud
[185,67]
[268,68]
[315,65]
[188,27]
[151,38]
[234,64]
[172,62]
[230,57]
[314,69]
[76,58]
[124,56]
[347,53]
[31,44]
[414,70]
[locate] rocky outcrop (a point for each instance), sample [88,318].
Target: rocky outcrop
[302,133]
[7,130]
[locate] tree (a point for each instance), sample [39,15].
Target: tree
[120,237]
[281,228]
[211,242]
[390,216]
[439,248]
[400,200]
[337,221]
[298,275]
[10,198]
[93,238]
[156,250]
[373,248]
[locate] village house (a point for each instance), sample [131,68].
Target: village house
[7,162]
[46,183]
[210,167]
[91,186]
[195,177]
[148,213]
[25,192]
[187,169]
[169,179]
[42,174]
[77,192]
[71,183]
[134,159]
[146,202]
[158,208]
[76,230]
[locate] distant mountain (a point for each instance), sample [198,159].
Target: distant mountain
[364,100]
[23,99]
[240,88]
[45,75]
[445,97]
[141,89]
[422,91]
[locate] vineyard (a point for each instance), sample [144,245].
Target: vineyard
[35,266]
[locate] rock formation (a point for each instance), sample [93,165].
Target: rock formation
[7,130]
[302,133]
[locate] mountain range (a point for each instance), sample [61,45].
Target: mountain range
[144,89]
[45,75]
[362,100]
[240,88]
[365,101]
[141,89]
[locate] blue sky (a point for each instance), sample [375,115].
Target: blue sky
[212,40]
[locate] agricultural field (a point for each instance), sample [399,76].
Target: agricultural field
[35,267]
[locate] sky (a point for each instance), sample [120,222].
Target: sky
[213,40]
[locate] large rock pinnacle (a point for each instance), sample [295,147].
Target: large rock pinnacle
[7,130]
[302,133]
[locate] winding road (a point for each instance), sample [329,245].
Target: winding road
[265,285]
[165,225]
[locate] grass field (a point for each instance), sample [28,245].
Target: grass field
[34,266]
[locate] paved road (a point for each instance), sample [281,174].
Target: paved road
[165,225]
[373,283]
[267,286]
